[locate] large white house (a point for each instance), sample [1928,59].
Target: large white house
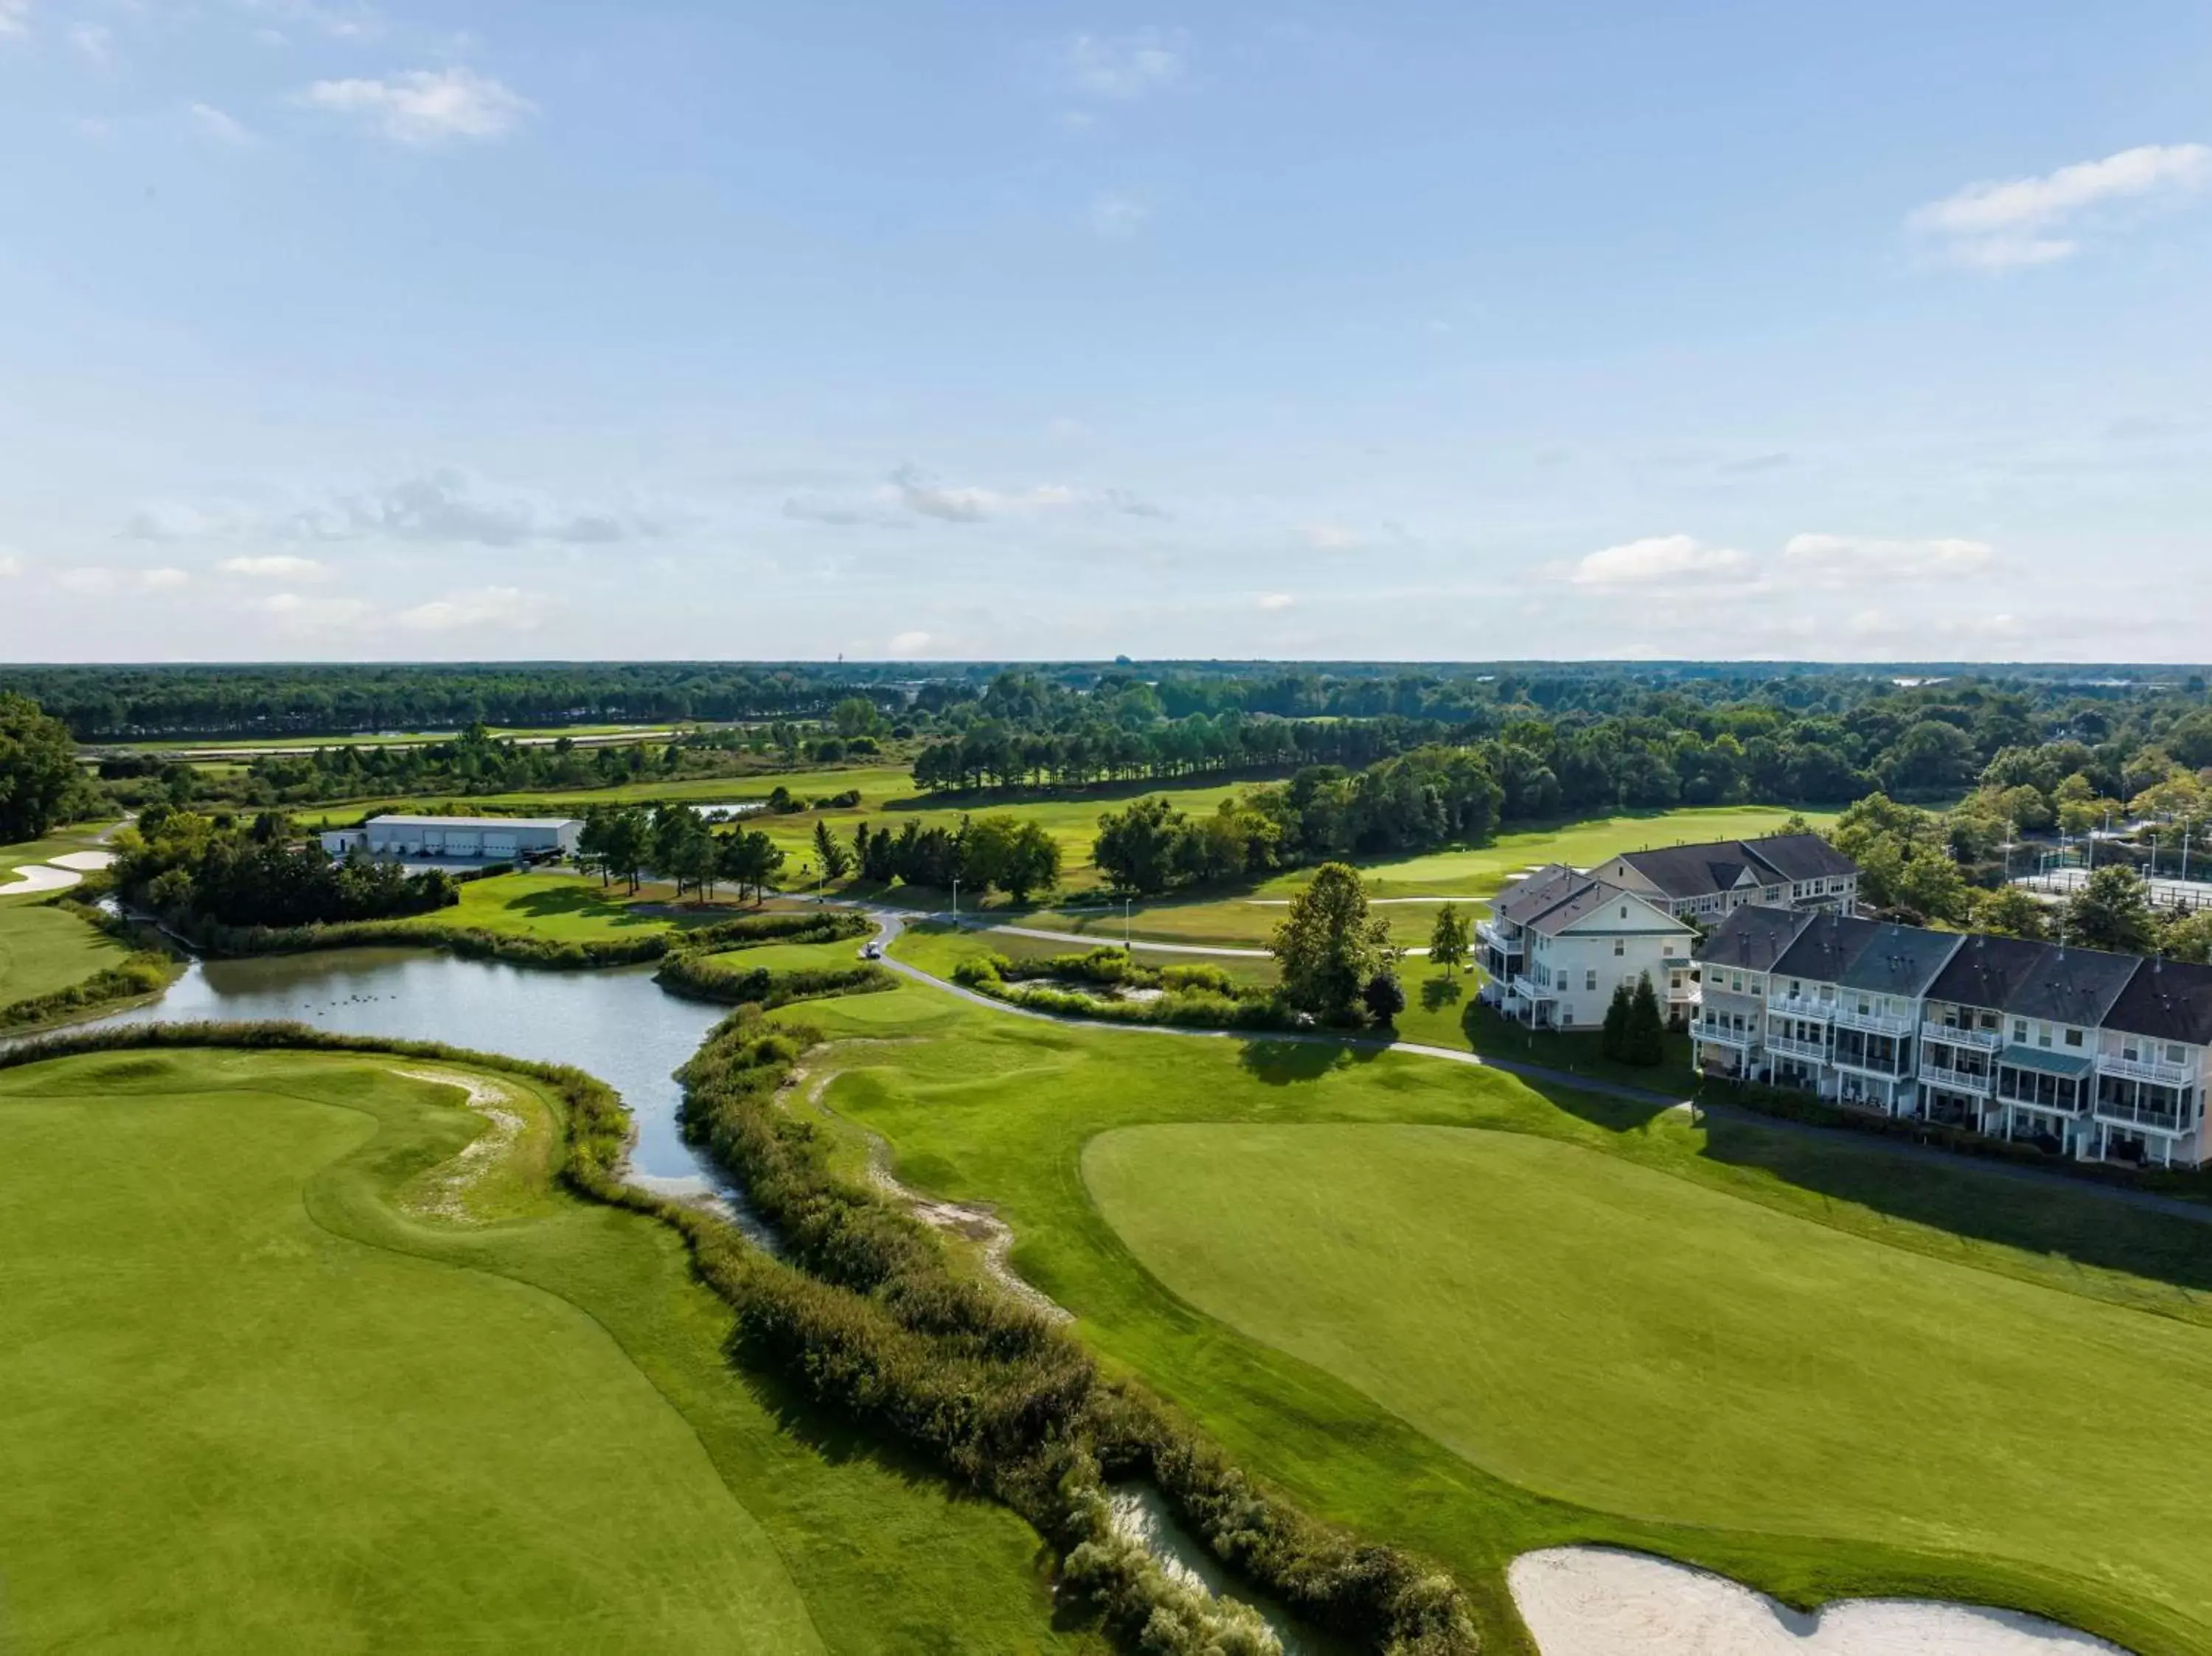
[1704,881]
[2098,1055]
[458,839]
[1558,944]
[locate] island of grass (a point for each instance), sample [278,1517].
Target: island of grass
[1474,1319]
[299,1352]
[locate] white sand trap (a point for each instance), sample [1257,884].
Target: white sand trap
[1595,1601]
[85,862]
[37,877]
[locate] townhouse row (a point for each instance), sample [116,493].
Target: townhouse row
[1559,940]
[2097,1056]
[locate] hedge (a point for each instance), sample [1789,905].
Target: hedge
[1190,997]
[146,972]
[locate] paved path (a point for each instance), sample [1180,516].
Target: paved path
[891,922]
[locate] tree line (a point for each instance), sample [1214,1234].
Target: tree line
[190,869]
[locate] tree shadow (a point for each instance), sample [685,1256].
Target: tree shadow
[1436,993]
[1286,1063]
[543,905]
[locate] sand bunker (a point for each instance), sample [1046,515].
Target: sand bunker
[85,862]
[37,876]
[1594,1601]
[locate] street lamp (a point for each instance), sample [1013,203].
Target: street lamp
[956,899]
[1126,949]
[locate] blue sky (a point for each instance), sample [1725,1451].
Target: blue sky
[336,330]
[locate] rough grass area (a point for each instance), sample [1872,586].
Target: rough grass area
[559,907]
[261,1399]
[1523,1301]
[979,1106]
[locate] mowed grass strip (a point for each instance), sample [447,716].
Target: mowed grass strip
[43,949]
[258,1401]
[1614,1337]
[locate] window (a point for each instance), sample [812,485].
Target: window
[2043,1034]
[1736,982]
[2173,1054]
[1621,945]
[2019,1031]
[1624,911]
[2073,1037]
[1589,979]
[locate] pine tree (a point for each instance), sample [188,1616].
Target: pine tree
[1614,1040]
[1646,1036]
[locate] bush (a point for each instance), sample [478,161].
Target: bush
[702,978]
[140,974]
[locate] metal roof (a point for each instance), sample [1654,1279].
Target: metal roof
[2047,1059]
[475,821]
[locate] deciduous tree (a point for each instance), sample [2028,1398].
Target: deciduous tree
[1329,947]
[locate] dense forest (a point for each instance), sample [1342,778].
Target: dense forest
[118,703]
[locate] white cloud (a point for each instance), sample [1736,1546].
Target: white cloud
[505,609]
[1127,67]
[445,506]
[222,127]
[1330,538]
[967,503]
[958,506]
[1658,560]
[95,42]
[96,580]
[909,644]
[10,565]
[277,567]
[1277,601]
[297,616]
[15,17]
[1116,217]
[1843,560]
[422,107]
[2010,224]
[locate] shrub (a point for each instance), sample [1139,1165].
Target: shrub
[144,973]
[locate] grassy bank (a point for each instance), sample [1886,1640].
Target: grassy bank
[281,1405]
[985,1108]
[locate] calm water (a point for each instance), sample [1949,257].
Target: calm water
[615,1025]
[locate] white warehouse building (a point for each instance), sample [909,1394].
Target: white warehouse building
[461,839]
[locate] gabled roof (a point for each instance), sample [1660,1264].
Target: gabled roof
[1824,950]
[1542,889]
[2073,986]
[1988,971]
[1901,960]
[1752,937]
[1800,856]
[2166,1000]
[1719,865]
[1553,898]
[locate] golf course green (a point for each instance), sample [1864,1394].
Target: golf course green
[281,1373]
[1611,1335]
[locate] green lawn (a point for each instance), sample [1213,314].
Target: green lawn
[564,907]
[258,1399]
[1683,1248]
[1625,1340]
[43,949]
[793,956]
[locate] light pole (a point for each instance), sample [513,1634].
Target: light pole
[956,899]
[1126,949]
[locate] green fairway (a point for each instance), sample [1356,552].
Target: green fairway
[1949,1316]
[1625,1340]
[562,908]
[42,948]
[791,956]
[271,1385]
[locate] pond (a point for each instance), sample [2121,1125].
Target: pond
[617,1025]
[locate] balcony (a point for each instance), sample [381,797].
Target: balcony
[2158,1074]
[1875,1023]
[1987,1039]
[1813,1051]
[1958,1081]
[1888,1070]
[1527,988]
[1492,937]
[1720,1034]
[1801,1006]
[2137,1115]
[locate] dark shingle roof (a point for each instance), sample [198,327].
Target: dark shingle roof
[1703,870]
[1544,889]
[2166,1000]
[1696,871]
[2073,986]
[1752,937]
[1988,971]
[1801,856]
[1825,949]
[1901,960]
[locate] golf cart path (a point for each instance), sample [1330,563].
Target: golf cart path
[891,922]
